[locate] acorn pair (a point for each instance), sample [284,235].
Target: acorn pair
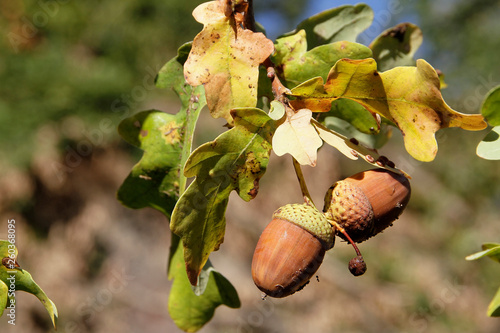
[292,247]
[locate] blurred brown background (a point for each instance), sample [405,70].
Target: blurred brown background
[71,71]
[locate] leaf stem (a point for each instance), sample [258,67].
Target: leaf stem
[303,186]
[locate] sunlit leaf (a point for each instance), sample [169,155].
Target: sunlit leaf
[491,107]
[298,65]
[494,307]
[225,58]
[489,148]
[396,46]
[236,160]
[298,137]
[189,311]
[491,250]
[277,110]
[4,290]
[22,280]
[337,141]
[407,96]
[4,250]
[343,23]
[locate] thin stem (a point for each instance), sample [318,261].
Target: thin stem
[303,186]
[346,235]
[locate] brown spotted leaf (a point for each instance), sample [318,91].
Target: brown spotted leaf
[407,96]
[236,160]
[225,58]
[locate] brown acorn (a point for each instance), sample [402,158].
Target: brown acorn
[291,249]
[368,202]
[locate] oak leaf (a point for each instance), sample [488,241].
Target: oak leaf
[225,58]
[298,137]
[410,97]
[397,46]
[235,160]
[298,64]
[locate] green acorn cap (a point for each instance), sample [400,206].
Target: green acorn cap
[310,219]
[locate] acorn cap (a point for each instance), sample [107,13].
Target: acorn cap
[310,219]
[368,202]
[350,208]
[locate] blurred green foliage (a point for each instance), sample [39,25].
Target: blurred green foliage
[89,59]
[80,58]
[461,39]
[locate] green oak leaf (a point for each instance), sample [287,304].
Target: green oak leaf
[166,140]
[22,280]
[296,64]
[264,90]
[409,97]
[171,75]
[193,100]
[491,107]
[491,250]
[343,23]
[396,46]
[494,307]
[489,147]
[4,290]
[355,114]
[236,160]
[154,181]
[189,311]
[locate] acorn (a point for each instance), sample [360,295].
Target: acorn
[291,249]
[367,203]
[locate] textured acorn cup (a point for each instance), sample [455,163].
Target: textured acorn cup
[291,249]
[368,202]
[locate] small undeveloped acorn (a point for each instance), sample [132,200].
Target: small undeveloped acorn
[291,249]
[357,266]
[368,202]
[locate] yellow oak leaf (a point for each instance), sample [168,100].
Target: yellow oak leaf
[410,97]
[298,137]
[225,58]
